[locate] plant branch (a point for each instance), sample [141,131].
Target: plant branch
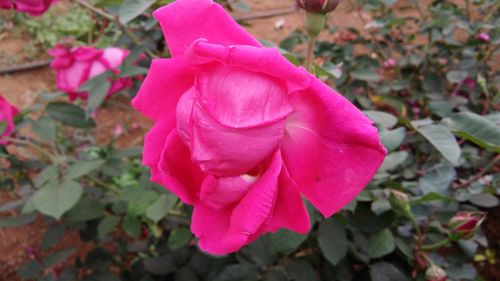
[24,66]
[480,173]
[266,14]
[436,245]
[49,155]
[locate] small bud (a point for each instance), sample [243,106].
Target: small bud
[318,6]
[464,224]
[435,273]
[483,37]
[399,201]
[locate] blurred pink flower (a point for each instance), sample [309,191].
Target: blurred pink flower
[32,7]
[389,63]
[7,114]
[74,66]
[241,133]
[483,37]
[118,131]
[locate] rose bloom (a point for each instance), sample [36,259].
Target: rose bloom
[32,7]
[240,133]
[7,114]
[74,66]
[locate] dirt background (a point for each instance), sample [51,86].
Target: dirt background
[21,89]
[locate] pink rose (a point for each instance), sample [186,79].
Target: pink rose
[32,7]
[76,65]
[241,133]
[7,114]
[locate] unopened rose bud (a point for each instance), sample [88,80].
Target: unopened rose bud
[464,224]
[318,6]
[399,201]
[435,273]
[483,37]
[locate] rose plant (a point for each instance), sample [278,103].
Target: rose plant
[240,132]
[246,139]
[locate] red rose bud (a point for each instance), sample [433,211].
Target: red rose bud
[464,224]
[318,6]
[435,273]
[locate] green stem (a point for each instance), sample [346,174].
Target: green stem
[437,245]
[104,185]
[415,224]
[310,53]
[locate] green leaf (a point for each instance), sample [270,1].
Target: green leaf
[484,200]
[383,119]
[17,221]
[442,139]
[456,76]
[431,196]
[57,257]
[98,88]
[437,179]
[50,173]
[69,114]
[82,168]
[132,226]
[106,225]
[332,240]
[238,272]
[285,241]
[55,199]
[160,207]
[384,271]
[179,237]
[86,209]
[393,160]
[162,265]
[130,9]
[392,139]
[475,128]
[45,127]
[381,244]
[366,74]
[301,270]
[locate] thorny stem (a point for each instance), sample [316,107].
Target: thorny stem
[415,224]
[112,18]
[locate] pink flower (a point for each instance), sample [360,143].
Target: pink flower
[76,65]
[483,37]
[7,114]
[32,7]
[389,63]
[241,133]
